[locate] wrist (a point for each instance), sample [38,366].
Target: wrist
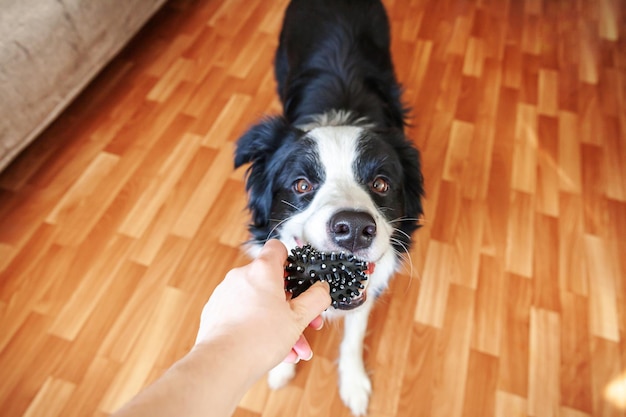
[209,380]
[238,361]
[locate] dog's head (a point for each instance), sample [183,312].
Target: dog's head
[339,188]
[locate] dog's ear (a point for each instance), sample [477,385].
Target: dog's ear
[261,141]
[258,146]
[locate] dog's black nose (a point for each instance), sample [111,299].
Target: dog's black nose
[352,230]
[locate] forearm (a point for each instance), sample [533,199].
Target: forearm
[236,344]
[209,381]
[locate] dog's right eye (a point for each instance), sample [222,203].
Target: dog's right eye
[302,186]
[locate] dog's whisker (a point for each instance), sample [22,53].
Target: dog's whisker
[280,222]
[291,205]
[405,264]
[404,219]
[405,250]
[403,233]
[404,255]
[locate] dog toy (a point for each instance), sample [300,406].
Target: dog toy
[343,272]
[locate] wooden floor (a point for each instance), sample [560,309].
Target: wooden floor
[117,223]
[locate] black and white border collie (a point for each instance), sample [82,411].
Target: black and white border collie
[335,170]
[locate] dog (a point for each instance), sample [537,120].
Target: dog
[336,170]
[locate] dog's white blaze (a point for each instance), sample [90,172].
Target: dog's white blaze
[337,148]
[335,118]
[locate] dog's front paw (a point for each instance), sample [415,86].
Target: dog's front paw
[280,375]
[355,388]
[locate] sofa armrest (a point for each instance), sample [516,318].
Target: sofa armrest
[49,51]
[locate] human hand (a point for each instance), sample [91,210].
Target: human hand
[250,310]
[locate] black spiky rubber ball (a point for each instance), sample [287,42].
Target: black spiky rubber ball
[343,272]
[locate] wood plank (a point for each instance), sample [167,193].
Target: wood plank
[544,360]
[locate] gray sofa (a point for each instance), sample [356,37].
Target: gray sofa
[49,51]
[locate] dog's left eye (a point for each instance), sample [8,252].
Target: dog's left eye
[380,185]
[302,186]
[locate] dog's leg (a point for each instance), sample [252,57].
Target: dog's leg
[354,384]
[280,375]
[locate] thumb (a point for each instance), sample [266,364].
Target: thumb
[311,303]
